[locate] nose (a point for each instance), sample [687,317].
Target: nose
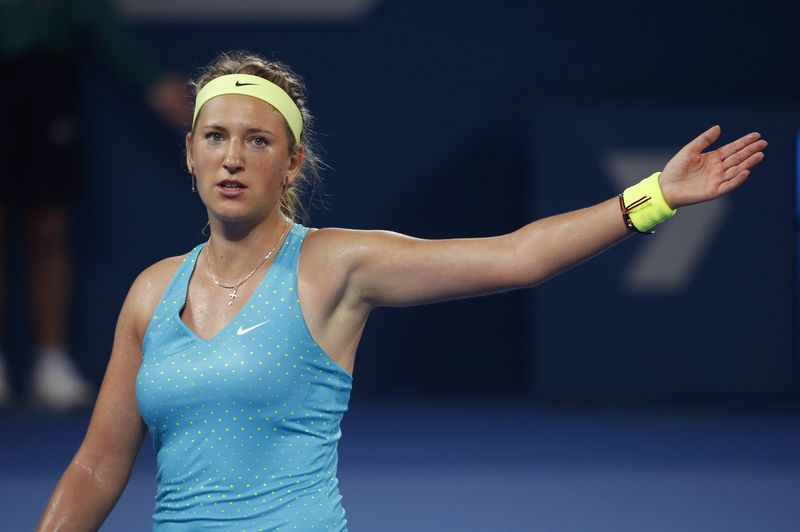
[234,161]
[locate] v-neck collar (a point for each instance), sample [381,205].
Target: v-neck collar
[238,314]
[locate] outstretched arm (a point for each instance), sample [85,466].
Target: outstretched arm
[388,269]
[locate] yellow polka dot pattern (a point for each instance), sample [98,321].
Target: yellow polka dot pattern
[245,425]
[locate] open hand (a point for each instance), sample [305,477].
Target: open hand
[692,176]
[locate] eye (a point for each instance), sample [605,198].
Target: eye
[259,141]
[214,136]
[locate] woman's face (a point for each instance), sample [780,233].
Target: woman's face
[239,152]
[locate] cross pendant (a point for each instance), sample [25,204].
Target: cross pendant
[233,295]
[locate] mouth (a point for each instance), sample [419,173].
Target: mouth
[231,184]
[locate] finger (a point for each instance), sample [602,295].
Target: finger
[706,139]
[731,148]
[742,155]
[731,184]
[732,173]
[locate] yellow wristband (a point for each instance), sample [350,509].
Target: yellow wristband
[645,204]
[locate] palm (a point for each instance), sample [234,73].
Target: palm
[692,176]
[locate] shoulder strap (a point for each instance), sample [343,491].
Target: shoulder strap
[174,296]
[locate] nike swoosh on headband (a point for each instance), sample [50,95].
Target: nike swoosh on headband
[256,87]
[242,331]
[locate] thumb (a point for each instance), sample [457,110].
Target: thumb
[706,139]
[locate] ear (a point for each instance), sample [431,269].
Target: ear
[295,163]
[189,158]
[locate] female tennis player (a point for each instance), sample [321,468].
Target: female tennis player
[238,355]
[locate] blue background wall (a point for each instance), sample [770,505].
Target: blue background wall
[725,327]
[446,119]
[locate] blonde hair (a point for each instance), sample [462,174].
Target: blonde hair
[243,62]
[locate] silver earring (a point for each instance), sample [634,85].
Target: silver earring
[194,183]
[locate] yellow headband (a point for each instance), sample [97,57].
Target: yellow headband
[256,87]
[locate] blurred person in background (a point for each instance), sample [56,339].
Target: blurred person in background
[238,355]
[40,44]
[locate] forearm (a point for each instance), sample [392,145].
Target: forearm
[547,247]
[83,498]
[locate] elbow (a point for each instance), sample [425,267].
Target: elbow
[524,265]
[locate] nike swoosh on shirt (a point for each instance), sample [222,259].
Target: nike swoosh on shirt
[242,331]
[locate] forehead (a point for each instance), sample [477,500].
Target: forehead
[240,110]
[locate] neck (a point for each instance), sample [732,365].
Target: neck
[237,249]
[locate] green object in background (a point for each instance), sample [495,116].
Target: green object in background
[62,27]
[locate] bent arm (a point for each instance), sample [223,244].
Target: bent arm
[99,471]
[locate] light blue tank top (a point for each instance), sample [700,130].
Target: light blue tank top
[245,426]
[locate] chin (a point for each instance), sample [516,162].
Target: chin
[237,214]
[232,214]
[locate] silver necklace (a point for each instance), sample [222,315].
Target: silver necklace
[235,286]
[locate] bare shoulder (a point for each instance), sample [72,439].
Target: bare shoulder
[322,253]
[345,251]
[330,237]
[352,244]
[147,289]
[156,277]
[333,262]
